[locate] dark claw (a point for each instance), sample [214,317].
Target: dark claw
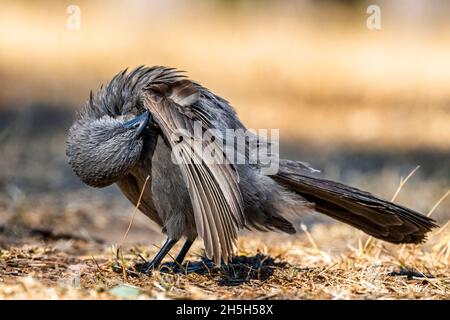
[146,268]
[130,272]
[199,267]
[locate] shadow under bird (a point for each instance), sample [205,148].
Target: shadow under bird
[125,133]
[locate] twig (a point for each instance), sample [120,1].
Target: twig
[428,215]
[402,183]
[438,203]
[124,271]
[98,268]
[400,186]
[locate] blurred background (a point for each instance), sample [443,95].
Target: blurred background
[363,106]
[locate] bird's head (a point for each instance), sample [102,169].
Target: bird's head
[107,139]
[103,150]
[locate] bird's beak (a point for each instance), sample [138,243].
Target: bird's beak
[139,123]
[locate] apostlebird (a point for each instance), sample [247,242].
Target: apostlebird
[128,132]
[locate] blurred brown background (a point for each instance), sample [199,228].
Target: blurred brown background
[364,106]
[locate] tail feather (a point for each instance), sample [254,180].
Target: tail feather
[379,218]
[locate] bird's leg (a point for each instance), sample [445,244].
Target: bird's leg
[154,264]
[182,254]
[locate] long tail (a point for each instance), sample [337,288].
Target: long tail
[379,218]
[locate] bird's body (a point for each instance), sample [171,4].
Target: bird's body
[212,201]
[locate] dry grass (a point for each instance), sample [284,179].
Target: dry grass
[334,266]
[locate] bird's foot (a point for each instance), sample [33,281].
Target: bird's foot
[148,267]
[200,267]
[132,272]
[145,267]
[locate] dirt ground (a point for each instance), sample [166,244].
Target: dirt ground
[68,245]
[324,261]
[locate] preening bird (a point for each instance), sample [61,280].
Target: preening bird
[128,131]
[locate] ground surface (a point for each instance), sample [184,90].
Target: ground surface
[328,262]
[64,245]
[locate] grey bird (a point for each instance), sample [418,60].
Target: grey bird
[125,133]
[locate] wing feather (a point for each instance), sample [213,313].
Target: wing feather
[213,187]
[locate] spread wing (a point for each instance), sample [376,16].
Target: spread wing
[213,185]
